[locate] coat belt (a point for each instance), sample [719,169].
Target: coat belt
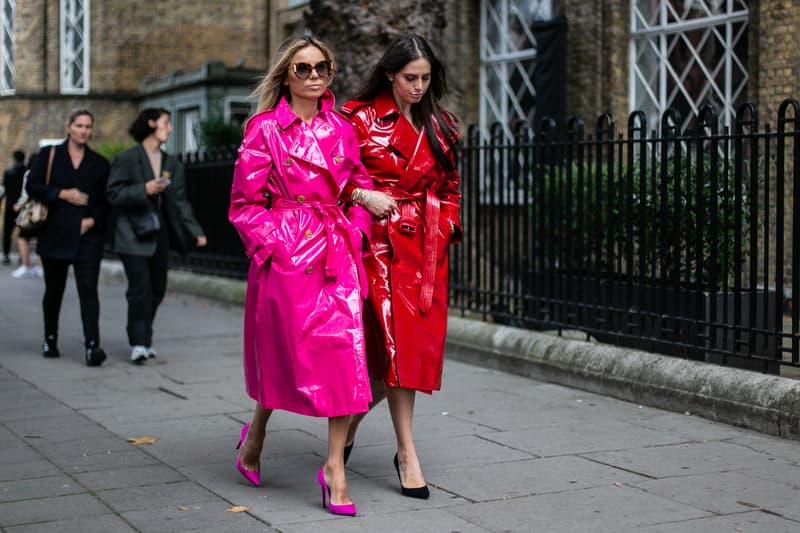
[407,224]
[329,212]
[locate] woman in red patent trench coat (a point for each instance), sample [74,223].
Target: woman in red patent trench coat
[408,144]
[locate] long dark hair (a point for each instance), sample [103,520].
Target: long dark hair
[401,52]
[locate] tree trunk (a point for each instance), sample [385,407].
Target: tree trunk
[359,32]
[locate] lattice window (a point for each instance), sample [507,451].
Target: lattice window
[75,46]
[7,43]
[508,59]
[685,54]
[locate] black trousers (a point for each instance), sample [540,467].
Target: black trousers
[87,274]
[147,284]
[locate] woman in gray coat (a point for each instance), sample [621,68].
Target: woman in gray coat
[148,190]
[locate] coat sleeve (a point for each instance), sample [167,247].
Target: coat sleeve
[178,191]
[123,190]
[99,203]
[249,209]
[359,178]
[450,196]
[35,186]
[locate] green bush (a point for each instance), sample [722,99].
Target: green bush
[109,150]
[663,221]
[217,133]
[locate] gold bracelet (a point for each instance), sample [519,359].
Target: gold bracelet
[361,196]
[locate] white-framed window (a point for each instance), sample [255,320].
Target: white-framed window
[685,54]
[8,10]
[188,129]
[74,48]
[508,58]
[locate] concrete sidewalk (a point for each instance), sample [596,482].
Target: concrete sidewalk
[502,453]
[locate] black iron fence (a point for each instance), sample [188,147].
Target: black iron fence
[208,177]
[678,242]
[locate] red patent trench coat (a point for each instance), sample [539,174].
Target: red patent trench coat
[407,270]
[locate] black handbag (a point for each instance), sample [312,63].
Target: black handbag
[146,225]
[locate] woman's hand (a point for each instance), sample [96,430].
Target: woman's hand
[86,225]
[380,204]
[155,186]
[74,196]
[201,241]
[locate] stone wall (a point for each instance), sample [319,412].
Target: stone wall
[597,59]
[774,43]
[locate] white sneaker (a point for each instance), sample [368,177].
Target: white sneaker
[22,272]
[36,272]
[138,355]
[151,352]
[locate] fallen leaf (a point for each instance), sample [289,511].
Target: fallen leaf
[617,484]
[142,440]
[238,509]
[183,508]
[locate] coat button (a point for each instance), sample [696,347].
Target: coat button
[309,270]
[288,162]
[309,234]
[300,198]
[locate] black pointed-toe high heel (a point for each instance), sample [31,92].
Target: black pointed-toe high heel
[421,493]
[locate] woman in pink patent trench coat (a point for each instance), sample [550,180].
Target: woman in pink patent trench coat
[303,335]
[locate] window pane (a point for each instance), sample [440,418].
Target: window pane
[684,64]
[74,53]
[7,41]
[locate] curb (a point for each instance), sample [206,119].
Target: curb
[769,404]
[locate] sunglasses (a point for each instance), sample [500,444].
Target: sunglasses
[303,70]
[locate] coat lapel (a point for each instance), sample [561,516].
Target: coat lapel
[420,162]
[406,141]
[144,164]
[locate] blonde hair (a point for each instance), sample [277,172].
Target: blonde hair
[271,87]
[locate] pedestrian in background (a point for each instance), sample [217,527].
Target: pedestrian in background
[408,144]
[73,232]
[12,182]
[303,332]
[147,188]
[26,268]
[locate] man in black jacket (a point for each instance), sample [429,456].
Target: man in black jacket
[12,181]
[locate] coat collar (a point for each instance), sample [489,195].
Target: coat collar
[405,139]
[286,117]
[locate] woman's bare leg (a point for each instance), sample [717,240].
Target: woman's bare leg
[378,394]
[334,465]
[401,406]
[251,447]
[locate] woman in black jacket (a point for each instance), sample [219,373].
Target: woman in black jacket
[148,191]
[73,232]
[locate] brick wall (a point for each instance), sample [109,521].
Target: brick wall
[775,40]
[130,40]
[597,82]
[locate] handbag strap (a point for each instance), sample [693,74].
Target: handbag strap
[50,164]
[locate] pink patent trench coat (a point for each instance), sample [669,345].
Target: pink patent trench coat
[303,331]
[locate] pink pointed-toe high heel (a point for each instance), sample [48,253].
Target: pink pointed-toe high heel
[346,509]
[252,477]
